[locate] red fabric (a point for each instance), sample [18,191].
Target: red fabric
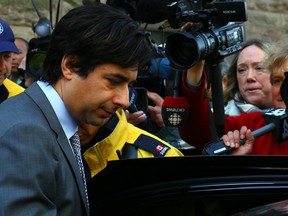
[196,130]
[175,102]
[197,133]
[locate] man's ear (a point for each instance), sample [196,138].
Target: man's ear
[66,66]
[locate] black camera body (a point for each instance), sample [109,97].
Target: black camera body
[219,32]
[138,99]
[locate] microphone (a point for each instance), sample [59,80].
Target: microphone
[279,117]
[276,120]
[155,11]
[175,110]
[43,27]
[36,9]
[218,147]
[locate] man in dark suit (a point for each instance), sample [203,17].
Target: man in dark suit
[94,54]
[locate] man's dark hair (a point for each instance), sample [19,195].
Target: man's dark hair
[93,35]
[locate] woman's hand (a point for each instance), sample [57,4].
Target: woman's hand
[233,139]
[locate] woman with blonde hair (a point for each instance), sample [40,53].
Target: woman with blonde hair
[248,86]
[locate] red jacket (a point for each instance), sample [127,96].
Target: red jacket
[197,132]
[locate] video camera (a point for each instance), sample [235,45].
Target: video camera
[218,32]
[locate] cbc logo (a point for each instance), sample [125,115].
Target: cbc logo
[175,119]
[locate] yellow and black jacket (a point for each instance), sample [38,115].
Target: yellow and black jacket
[9,89]
[125,141]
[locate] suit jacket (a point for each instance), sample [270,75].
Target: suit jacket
[38,171]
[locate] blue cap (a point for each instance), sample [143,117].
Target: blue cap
[7,38]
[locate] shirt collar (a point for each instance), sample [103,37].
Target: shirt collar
[67,122]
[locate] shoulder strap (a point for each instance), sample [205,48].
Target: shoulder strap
[129,151]
[147,143]
[154,146]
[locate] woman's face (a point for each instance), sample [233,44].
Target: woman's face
[277,80]
[253,81]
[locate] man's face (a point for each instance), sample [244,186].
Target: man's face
[94,99]
[5,65]
[87,132]
[17,58]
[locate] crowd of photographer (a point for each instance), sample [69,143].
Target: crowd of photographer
[249,85]
[180,50]
[153,113]
[273,142]
[82,79]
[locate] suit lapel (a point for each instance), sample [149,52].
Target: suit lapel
[37,95]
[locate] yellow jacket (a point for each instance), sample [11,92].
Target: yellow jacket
[12,88]
[126,133]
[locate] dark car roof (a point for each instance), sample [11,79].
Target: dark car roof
[134,186]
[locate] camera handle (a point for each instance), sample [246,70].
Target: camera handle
[214,77]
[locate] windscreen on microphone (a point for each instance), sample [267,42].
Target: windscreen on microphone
[279,117]
[284,90]
[175,111]
[155,11]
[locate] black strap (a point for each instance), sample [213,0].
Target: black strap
[147,143]
[212,125]
[213,69]
[103,132]
[129,151]
[156,147]
[107,129]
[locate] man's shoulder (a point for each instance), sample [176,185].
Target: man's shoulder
[13,88]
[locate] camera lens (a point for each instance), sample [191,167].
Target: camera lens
[185,49]
[182,50]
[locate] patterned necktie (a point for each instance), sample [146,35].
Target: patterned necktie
[75,143]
